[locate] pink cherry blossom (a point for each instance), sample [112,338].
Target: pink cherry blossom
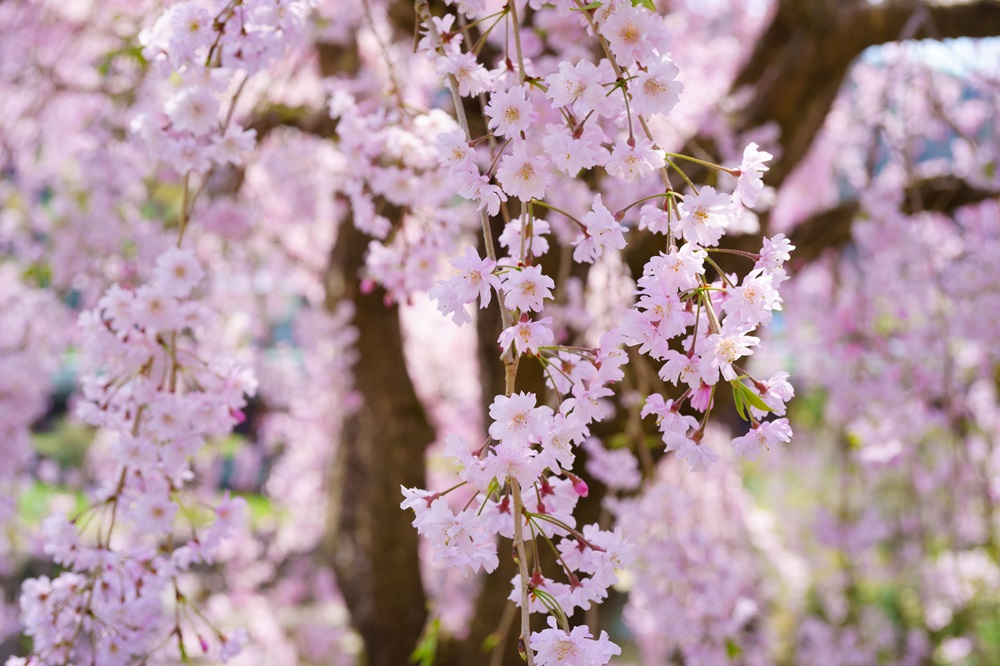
[510,112]
[602,232]
[527,336]
[635,34]
[656,90]
[525,289]
[523,174]
[555,647]
[723,349]
[632,162]
[517,422]
[763,435]
[704,217]
[178,272]
[752,169]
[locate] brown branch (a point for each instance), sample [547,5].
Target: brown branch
[884,23]
[796,71]
[802,58]
[832,228]
[308,120]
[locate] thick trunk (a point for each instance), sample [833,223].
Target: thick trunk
[372,544]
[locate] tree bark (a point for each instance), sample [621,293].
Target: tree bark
[371,543]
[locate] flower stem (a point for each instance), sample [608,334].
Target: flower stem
[710,165]
[559,210]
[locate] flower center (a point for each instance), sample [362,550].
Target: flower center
[526,172]
[653,87]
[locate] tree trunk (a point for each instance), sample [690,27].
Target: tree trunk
[371,542]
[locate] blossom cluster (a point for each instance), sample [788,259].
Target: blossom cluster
[148,383]
[156,382]
[205,53]
[716,343]
[573,109]
[547,123]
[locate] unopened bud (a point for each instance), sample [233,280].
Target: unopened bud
[579,485]
[536,580]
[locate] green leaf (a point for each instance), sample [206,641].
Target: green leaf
[748,397]
[490,642]
[426,649]
[732,649]
[738,399]
[754,399]
[587,7]
[553,607]
[648,4]
[38,274]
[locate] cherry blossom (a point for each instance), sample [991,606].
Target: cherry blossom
[510,112]
[763,435]
[523,174]
[527,288]
[527,336]
[577,647]
[704,217]
[752,169]
[602,231]
[657,90]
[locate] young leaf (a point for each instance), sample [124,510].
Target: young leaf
[738,399]
[648,4]
[754,399]
[553,607]
[424,653]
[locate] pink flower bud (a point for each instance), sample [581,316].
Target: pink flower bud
[579,485]
[701,398]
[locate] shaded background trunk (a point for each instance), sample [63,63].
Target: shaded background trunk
[372,544]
